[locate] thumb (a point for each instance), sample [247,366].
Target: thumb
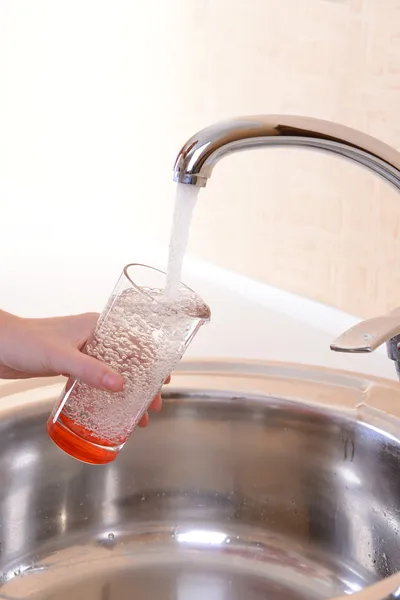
[90,371]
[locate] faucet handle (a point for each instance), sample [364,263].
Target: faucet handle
[369,334]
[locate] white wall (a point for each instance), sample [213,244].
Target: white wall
[96,98]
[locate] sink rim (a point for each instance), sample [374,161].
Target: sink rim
[359,394]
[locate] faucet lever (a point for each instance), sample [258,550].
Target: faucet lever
[369,334]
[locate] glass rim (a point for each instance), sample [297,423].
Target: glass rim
[181,284]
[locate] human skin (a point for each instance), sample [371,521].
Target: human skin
[51,347]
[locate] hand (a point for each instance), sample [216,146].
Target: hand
[50,347]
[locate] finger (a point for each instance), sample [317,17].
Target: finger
[85,325]
[156,405]
[89,370]
[168,380]
[144,421]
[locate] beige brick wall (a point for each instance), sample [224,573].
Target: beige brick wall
[308,223]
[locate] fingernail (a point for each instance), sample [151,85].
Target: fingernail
[112,381]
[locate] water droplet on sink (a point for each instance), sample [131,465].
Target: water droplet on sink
[111,536]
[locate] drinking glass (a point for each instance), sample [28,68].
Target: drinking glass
[142,334]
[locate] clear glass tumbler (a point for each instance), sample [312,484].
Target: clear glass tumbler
[142,334]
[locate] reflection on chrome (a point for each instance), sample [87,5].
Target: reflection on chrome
[352,587]
[349,476]
[396,594]
[25,457]
[198,536]
[14,517]
[63,519]
[111,493]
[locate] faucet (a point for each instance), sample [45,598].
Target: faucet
[198,157]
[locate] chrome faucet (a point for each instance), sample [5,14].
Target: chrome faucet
[198,157]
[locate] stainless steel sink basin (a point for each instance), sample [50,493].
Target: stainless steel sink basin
[257,481]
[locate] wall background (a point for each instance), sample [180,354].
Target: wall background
[97,97]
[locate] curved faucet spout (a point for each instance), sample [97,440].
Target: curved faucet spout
[196,160]
[198,157]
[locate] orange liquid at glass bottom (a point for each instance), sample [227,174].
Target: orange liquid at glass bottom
[80,443]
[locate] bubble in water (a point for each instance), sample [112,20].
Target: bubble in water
[143,337]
